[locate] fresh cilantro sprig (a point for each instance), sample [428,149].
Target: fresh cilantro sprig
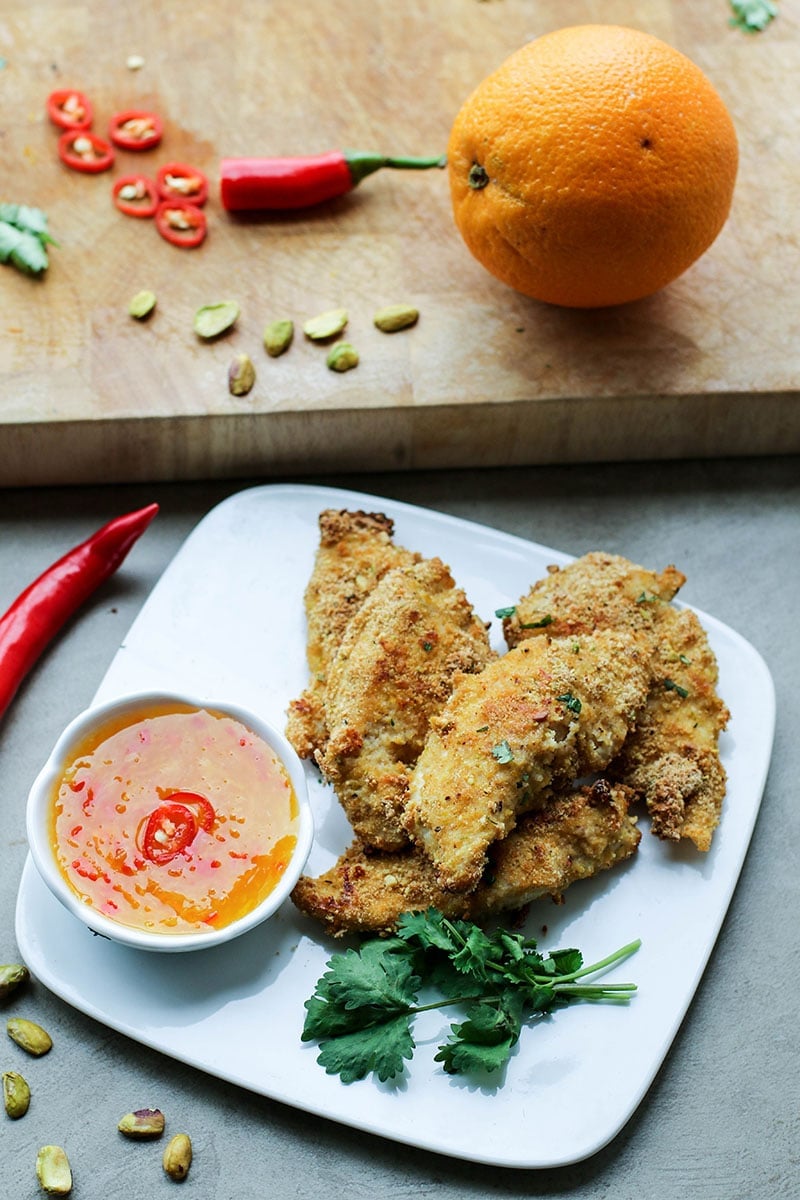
[752,15]
[363,1008]
[24,238]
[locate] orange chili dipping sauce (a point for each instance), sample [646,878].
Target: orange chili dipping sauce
[173,820]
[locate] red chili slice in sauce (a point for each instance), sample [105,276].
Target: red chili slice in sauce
[179,181]
[202,809]
[85,151]
[180,223]
[136,129]
[69,109]
[169,830]
[135,195]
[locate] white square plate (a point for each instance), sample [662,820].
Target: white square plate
[226,619]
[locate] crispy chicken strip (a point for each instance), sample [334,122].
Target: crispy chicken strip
[597,591]
[393,672]
[355,551]
[672,758]
[575,837]
[544,714]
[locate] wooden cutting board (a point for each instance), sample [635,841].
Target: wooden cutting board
[707,367]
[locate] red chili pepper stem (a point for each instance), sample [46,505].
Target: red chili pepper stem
[37,615]
[362,163]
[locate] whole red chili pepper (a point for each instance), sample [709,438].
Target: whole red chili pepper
[46,605]
[250,184]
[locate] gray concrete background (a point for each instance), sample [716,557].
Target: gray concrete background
[721,1119]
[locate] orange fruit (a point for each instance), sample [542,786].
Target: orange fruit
[592,167]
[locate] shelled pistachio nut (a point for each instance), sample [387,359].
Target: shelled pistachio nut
[11,976]
[142,1123]
[326,325]
[16,1095]
[395,317]
[141,305]
[241,375]
[178,1156]
[342,357]
[278,337]
[29,1036]
[213,319]
[53,1171]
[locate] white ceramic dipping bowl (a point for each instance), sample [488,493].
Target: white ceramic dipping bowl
[39,823]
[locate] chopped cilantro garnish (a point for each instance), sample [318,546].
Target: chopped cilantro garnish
[363,1008]
[672,686]
[572,702]
[503,752]
[546,620]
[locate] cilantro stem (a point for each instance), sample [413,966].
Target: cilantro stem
[617,956]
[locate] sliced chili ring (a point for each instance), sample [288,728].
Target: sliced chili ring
[135,195]
[170,828]
[200,807]
[69,109]
[180,223]
[179,181]
[136,129]
[83,150]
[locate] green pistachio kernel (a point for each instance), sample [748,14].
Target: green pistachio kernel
[141,305]
[213,319]
[278,337]
[326,325]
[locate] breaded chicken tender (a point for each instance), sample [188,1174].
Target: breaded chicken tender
[575,837]
[671,759]
[543,715]
[355,552]
[597,591]
[394,670]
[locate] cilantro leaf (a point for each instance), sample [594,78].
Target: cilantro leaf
[379,975]
[572,702]
[484,1041]
[23,249]
[327,1019]
[752,15]
[467,1058]
[428,930]
[380,1048]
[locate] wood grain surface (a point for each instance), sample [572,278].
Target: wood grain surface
[707,367]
